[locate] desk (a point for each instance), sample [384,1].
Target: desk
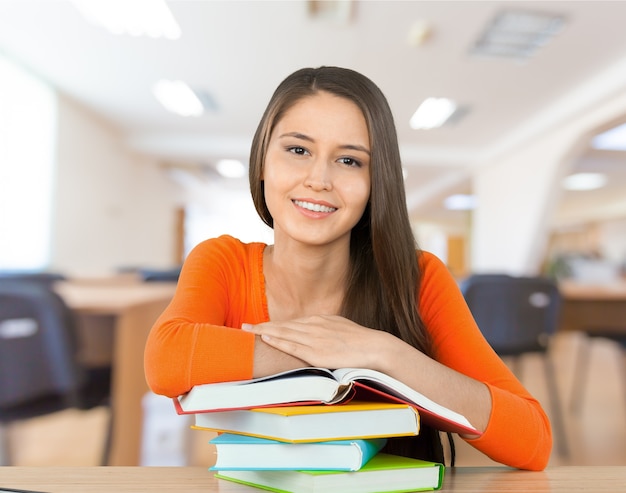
[135,306]
[589,306]
[199,480]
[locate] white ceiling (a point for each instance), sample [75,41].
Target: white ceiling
[238,51]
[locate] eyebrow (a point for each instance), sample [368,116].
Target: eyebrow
[354,147]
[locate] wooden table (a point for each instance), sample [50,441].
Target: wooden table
[589,306]
[135,306]
[199,480]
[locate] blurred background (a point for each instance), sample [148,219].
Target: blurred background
[124,140]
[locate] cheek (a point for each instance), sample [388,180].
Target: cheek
[273,178]
[275,186]
[359,191]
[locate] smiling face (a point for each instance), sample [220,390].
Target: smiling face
[317,170]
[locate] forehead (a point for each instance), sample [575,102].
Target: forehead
[327,110]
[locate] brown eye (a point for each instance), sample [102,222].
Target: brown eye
[348,161]
[297,150]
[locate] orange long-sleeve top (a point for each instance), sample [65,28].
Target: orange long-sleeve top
[198,339]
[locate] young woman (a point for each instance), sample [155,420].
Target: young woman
[344,284]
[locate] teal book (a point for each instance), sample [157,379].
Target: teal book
[384,473]
[242,452]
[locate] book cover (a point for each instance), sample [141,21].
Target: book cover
[301,424]
[384,473]
[306,386]
[243,452]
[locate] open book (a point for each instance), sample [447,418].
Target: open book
[306,386]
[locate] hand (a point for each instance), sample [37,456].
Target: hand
[327,341]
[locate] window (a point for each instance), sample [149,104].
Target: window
[27,143]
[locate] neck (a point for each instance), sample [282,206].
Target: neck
[303,281]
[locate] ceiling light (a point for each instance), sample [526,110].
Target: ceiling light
[178,97]
[135,17]
[420,31]
[612,140]
[231,168]
[432,113]
[335,10]
[585,181]
[460,202]
[517,34]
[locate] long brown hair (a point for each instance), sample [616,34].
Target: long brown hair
[384,276]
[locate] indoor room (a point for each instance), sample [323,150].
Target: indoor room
[125,142]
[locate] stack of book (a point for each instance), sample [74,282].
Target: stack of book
[313,430]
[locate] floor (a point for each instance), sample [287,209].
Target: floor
[596,435]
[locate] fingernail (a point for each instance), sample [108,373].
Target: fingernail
[246,326]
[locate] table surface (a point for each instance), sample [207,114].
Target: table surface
[135,306]
[110,297]
[200,480]
[577,290]
[593,307]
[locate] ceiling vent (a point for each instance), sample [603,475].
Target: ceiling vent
[517,34]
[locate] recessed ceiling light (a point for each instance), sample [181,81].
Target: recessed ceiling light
[432,113]
[518,34]
[334,10]
[585,181]
[421,30]
[231,168]
[150,18]
[612,140]
[460,202]
[176,96]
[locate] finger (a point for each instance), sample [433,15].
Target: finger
[250,328]
[291,330]
[287,346]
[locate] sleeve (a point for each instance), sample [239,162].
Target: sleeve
[518,433]
[191,342]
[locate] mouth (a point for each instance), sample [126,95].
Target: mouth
[310,206]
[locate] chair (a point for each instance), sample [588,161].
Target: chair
[582,361]
[160,275]
[46,278]
[519,315]
[39,372]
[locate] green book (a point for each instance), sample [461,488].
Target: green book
[384,473]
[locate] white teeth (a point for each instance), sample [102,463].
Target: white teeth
[314,207]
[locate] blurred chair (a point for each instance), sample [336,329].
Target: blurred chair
[159,275]
[45,278]
[582,361]
[39,372]
[519,315]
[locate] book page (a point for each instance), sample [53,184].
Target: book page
[390,385]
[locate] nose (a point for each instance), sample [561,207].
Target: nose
[318,176]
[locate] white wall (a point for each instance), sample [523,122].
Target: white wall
[518,193]
[613,241]
[112,209]
[216,206]
[592,207]
[514,200]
